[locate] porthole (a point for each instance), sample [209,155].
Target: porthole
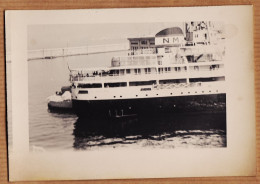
[95,97]
[114,96]
[181,92]
[146,95]
[157,94]
[136,95]
[195,91]
[171,93]
[120,96]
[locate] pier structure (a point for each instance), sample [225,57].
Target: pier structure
[71,51]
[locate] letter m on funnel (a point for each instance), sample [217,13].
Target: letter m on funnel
[175,39]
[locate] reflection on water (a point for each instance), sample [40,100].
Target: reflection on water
[159,131]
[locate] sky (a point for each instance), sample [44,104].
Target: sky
[57,36]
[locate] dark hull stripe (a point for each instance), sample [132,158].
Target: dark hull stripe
[112,108]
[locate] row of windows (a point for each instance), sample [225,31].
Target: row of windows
[149,83]
[134,83]
[143,42]
[148,70]
[117,84]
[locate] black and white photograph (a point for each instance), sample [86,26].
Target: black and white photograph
[133,85]
[124,86]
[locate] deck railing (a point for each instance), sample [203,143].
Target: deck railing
[168,74]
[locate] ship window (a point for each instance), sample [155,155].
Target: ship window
[144,42]
[146,89]
[137,71]
[147,70]
[134,43]
[93,85]
[83,92]
[160,70]
[142,83]
[202,79]
[116,84]
[114,72]
[122,72]
[167,69]
[172,81]
[128,71]
[177,69]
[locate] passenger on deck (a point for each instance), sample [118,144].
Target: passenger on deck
[203,25]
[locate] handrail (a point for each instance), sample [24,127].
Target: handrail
[171,74]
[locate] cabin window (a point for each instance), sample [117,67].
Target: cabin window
[142,83]
[172,81]
[202,79]
[83,92]
[128,71]
[116,84]
[134,43]
[146,89]
[147,70]
[122,72]
[177,69]
[144,42]
[190,59]
[137,71]
[92,85]
[167,69]
[114,72]
[160,70]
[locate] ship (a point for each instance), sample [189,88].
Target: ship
[180,68]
